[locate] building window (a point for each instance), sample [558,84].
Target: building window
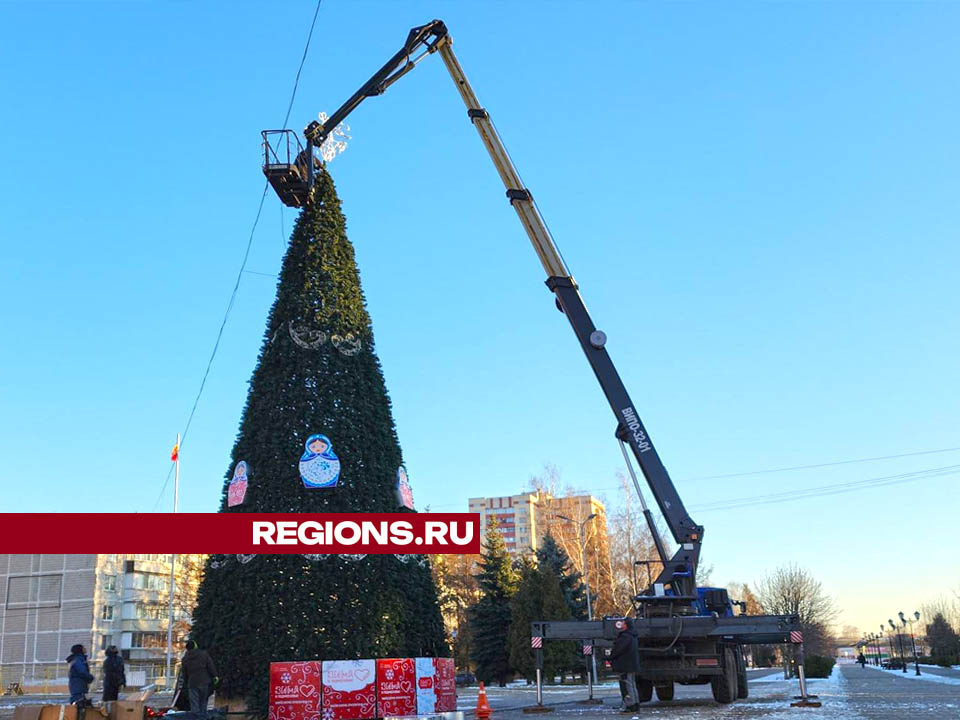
[149,581]
[110,583]
[34,591]
[107,612]
[152,611]
[148,640]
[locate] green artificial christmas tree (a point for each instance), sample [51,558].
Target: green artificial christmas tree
[317,382]
[490,617]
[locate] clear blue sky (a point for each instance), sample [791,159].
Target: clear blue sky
[758,200]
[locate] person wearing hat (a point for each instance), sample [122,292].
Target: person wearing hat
[200,674]
[114,676]
[625,660]
[79,676]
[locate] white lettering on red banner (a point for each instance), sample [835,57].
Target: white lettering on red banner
[349,690]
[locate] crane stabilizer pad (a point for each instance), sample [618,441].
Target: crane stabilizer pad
[806,703]
[537,709]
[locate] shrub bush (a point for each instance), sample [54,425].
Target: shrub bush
[817,666]
[945,661]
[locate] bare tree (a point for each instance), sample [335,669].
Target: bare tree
[791,589]
[630,540]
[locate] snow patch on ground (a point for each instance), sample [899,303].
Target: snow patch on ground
[927,676]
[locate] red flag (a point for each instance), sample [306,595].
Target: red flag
[175,454]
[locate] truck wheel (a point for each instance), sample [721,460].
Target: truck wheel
[644,690]
[724,686]
[742,690]
[665,692]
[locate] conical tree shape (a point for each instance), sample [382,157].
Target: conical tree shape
[317,374]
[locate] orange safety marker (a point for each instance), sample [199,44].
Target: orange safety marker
[483,710]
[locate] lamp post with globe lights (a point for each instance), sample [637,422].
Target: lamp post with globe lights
[913,642]
[903,660]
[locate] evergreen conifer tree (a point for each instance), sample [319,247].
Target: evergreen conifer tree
[317,374]
[551,555]
[539,597]
[490,617]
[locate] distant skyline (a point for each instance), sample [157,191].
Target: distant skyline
[757,200]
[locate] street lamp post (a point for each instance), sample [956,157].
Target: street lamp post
[586,584]
[889,639]
[903,660]
[913,643]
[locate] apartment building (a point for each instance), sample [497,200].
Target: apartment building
[525,518]
[51,602]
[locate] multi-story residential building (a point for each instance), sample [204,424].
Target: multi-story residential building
[51,602]
[525,518]
[516,516]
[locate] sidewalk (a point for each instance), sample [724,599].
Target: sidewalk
[887,695]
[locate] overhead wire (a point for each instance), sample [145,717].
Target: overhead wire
[869,482]
[243,265]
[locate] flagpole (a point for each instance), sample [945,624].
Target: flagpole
[173,559]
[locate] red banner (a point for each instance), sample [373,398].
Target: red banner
[396,687]
[295,690]
[349,689]
[266,533]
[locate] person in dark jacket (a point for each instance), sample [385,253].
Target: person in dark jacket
[79,676]
[114,676]
[625,659]
[199,674]
[862,660]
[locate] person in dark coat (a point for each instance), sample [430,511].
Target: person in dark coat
[200,674]
[625,659]
[114,676]
[862,660]
[79,678]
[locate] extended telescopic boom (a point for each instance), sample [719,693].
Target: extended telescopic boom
[680,571]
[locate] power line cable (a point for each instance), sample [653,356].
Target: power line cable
[820,465]
[243,265]
[823,490]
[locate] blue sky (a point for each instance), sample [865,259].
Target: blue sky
[758,201]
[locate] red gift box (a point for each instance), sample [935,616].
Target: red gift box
[396,687]
[295,690]
[436,685]
[349,689]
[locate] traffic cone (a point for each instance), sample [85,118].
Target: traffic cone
[483,710]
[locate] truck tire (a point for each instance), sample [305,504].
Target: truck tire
[665,691]
[644,690]
[724,686]
[742,690]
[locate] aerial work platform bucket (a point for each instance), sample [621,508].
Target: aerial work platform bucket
[285,164]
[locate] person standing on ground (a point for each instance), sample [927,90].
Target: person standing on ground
[199,674]
[79,676]
[862,660]
[625,659]
[114,676]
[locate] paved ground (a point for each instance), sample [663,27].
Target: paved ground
[851,693]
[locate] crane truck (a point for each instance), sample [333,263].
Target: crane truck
[687,634]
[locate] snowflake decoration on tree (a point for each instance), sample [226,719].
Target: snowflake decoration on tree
[336,141]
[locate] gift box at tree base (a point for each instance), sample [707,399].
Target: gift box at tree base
[436,686]
[362,689]
[396,687]
[295,690]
